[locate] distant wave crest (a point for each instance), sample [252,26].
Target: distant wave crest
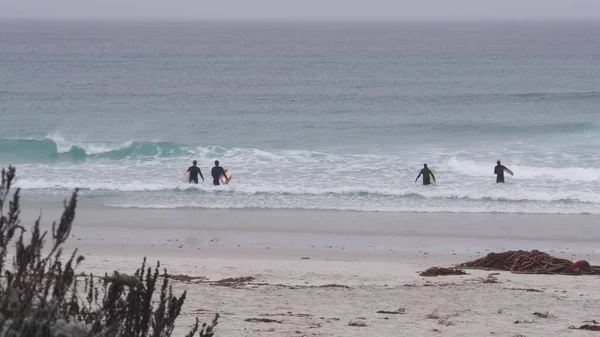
[54,147]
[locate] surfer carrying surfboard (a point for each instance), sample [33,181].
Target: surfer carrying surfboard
[217,172]
[194,172]
[428,176]
[499,172]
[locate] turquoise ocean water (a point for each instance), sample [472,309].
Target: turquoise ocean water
[307,115]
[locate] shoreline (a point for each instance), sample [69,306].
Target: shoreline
[264,209]
[88,204]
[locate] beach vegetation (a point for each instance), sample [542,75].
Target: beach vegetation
[42,295]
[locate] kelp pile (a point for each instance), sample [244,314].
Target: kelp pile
[531,262]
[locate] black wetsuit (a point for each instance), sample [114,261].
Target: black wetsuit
[425,172]
[499,171]
[216,173]
[194,172]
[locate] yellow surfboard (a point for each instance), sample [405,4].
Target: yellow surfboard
[222,177]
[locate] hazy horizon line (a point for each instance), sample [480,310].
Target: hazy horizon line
[301,20]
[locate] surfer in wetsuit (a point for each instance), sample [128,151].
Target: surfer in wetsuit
[216,173]
[425,172]
[194,172]
[499,172]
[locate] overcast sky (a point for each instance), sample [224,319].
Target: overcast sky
[303,9]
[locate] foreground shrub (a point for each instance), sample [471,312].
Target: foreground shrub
[40,294]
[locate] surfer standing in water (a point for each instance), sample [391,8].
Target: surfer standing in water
[194,172]
[426,178]
[216,173]
[499,172]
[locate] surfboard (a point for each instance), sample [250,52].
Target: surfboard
[185,177]
[431,178]
[509,171]
[222,177]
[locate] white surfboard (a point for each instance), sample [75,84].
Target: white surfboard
[185,177]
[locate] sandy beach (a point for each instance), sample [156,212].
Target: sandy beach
[325,113]
[319,273]
[330,117]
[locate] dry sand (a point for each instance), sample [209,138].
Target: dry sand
[314,280]
[321,295]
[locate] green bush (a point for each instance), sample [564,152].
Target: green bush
[41,295]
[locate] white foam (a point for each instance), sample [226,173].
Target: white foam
[90,148]
[449,192]
[317,180]
[574,174]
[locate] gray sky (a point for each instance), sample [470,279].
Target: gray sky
[303,9]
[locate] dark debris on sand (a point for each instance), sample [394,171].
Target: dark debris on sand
[333,285]
[262,320]
[530,290]
[400,311]
[187,278]
[441,271]
[357,323]
[586,327]
[289,313]
[543,314]
[234,281]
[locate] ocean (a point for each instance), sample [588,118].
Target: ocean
[307,115]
